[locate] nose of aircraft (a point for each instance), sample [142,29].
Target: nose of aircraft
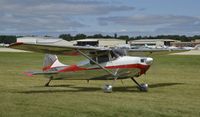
[149,61]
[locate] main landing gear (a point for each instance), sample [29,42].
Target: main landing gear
[142,87]
[47,84]
[107,88]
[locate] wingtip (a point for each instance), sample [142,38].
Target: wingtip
[15,44]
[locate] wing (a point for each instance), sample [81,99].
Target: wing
[146,52]
[54,49]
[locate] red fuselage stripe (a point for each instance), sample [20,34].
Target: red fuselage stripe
[46,68]
[74,68]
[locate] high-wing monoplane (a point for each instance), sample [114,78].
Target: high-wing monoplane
[100,64]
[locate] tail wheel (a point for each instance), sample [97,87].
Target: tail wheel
[107,88]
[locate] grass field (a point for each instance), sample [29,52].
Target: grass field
[174,90]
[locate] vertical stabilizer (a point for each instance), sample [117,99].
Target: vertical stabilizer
[51,61]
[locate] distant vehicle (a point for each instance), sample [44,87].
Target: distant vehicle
[101,64]
[124,46]
[4,45]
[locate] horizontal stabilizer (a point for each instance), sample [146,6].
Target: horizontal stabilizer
[31,73]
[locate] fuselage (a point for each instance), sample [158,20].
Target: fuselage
[123,67]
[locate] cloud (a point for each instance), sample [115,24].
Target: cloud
[62,7]
[155,24]
[190,28]
[143,20]
[48,15]
[15,23]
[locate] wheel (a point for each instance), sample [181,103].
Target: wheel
[107,88]
[143,87]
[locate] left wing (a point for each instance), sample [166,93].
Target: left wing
[54,49]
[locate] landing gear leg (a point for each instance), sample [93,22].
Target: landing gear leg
[47,84]
[142,87]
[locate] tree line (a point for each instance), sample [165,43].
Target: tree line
[182,38]
[8,39]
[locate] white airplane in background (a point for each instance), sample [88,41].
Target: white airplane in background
[101,63]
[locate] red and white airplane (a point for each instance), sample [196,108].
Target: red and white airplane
[101,63]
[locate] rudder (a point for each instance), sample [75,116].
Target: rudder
[51,61]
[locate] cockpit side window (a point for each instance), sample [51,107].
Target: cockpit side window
[93,56]
[103,58]
[100,56]
[113,55]
[120,52]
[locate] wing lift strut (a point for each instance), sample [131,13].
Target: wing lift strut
[107,88]
[142,87]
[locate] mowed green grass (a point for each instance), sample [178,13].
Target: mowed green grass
[174,90]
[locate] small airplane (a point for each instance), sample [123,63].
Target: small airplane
[100,64]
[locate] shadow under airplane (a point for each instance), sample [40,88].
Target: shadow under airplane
[71,88]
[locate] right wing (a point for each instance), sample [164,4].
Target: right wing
[147,52]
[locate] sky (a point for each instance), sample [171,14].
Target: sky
[124,17]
